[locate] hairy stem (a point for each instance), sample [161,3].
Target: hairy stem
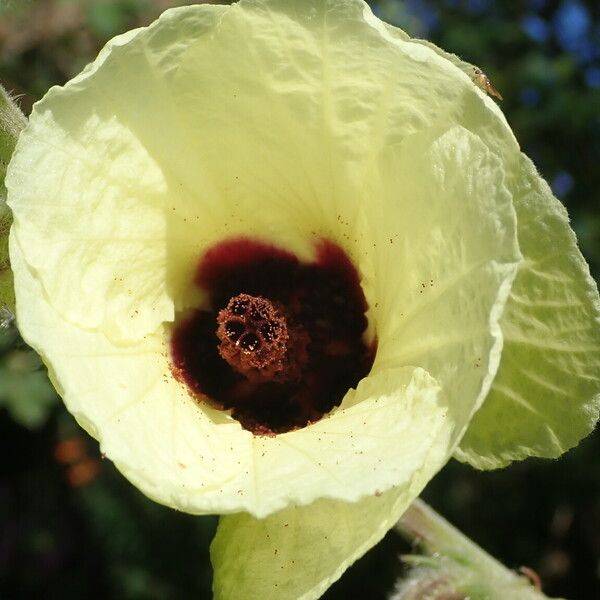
[12,122]
[422,525]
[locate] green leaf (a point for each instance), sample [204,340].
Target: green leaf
[546,395]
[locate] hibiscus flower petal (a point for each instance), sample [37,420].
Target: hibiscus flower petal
[177,455]
[546,395]
[255,123]
[297,553]
[440,294]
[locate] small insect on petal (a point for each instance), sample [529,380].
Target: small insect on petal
[533,577]
[483,81]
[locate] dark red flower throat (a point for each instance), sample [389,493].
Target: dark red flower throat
[281,341]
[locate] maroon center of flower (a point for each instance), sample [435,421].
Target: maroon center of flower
[281,341]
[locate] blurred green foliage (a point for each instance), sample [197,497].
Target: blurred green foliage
[107,18]
[24,387]
[73,527]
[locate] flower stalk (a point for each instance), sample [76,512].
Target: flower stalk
[12,122]
[459,566]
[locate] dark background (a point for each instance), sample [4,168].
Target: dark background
[71,527]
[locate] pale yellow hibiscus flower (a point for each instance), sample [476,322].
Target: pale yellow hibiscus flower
[296,126]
